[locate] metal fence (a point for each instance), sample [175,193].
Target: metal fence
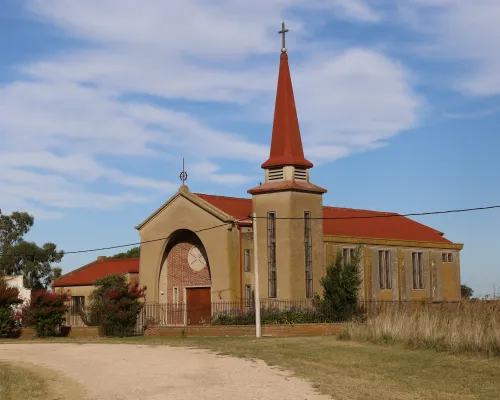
[242,312]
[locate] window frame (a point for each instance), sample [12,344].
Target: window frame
[271,255]
[418,269]
[77,306]
[247,260]
[308,254]
[248,295]
[348,254]
[385,269]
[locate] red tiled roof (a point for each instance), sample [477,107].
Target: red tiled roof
[234,206]
[396,228]
[87,274]
[286,143]
[379,226]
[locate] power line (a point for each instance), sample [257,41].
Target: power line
[129,244]
[392,215]
[232,223]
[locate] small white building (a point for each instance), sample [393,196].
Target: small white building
[17,282]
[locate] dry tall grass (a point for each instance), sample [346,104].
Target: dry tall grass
[467,327]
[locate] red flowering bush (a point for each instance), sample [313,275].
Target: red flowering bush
[9,319]
[45,312]
[116,305]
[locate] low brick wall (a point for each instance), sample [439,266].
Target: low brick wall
[273,330]
[83,331]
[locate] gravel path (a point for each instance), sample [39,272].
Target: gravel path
[125,371]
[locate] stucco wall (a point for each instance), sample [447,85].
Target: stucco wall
[76,291]
[441,280]
[290,258]
[183,213]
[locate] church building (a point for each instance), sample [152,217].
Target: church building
[208,251]
[199,248]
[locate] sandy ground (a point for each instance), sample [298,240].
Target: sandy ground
[125,371]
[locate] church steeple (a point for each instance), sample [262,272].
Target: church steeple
[286,143]
[288,206]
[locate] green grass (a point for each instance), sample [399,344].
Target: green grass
[21,382]
[27,381]
[347,370]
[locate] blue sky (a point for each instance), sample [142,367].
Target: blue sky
[397,101]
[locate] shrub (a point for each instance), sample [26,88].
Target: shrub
[116,305]
[45,312]
[341,286]
[272,315]
[9,319]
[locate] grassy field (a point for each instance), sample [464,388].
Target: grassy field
[24,381]
[468,327]
[347,370]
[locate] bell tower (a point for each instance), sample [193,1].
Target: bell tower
[288,206]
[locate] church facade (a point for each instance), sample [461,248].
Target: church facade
[199,248]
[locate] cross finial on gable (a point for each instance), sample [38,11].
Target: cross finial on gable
[183,175]
[282,33]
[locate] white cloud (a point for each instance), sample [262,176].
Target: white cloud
[465,30]
[41,193]
[357,99]
[209,171]
[355,9]
[75,109]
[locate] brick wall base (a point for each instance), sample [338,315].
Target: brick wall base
[83,331]
[274,330]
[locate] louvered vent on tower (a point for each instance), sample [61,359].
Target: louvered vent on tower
[300,174]
[275,174]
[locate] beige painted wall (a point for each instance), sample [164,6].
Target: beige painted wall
[76,291]
[441,280]
[220,244]
[290,257]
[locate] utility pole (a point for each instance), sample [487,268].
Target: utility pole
[256,275]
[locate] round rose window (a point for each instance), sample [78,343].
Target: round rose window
[195,259]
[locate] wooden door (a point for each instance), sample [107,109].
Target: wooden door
[199,306]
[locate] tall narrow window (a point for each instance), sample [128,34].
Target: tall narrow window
[345,256]
[271,253]
[78,303]
[418,270]
[175,297]
[248,296]
[384,269]
[348,255]
[308,253]
[246,260]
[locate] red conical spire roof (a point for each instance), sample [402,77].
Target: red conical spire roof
[286,144]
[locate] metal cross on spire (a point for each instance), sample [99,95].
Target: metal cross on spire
[183,175]
[282,33]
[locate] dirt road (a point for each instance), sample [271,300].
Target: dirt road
[125,371]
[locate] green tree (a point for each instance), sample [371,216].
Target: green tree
[115,305]
[46,312]
[466,292]
[9,297]
[56,273]
[19,257]
[341,286]
[134,252]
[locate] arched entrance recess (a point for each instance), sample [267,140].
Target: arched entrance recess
[184,281]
